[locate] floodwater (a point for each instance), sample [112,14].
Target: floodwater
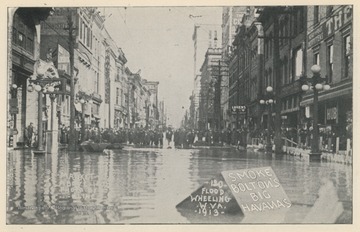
[133,186]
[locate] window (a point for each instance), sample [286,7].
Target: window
[23,34]
[286,66]
[281,33]
[295,24]
[281,71]
[118,75]
[271,45]
[347,56]
[302,22]
[316,59]
[84,32]
[81,28]
[117,96]
[88,36]
[316,14]
[298,63]
[122,98]
[329,10]
[215,39]
[97,79]
[265,79]
[266,48]
[330,62]
[269,79]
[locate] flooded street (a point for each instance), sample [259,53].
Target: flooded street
[145,185]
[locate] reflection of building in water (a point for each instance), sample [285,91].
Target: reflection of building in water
[15,185]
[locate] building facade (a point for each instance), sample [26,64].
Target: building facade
[231,19]
[330,45]
[153,88]
[208,112]
[23,51]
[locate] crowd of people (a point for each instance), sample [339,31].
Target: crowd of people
[180,138]
[187,137]
[136,136]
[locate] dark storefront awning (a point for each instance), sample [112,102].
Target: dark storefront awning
[326,96]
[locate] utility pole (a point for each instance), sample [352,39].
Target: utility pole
[217,102]
[277,77]
[72,137]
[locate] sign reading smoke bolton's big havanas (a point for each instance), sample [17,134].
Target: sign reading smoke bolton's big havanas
[246,195]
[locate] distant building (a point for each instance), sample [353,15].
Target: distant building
[231,19]
[207,91]
[205,36]
[153,87]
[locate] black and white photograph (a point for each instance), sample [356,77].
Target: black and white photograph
[179,115]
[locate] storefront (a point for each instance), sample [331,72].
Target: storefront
[334,116]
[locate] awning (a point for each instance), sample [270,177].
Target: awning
[326,96]
[78,107]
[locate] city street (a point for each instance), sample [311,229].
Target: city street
[145,185]
[210,114]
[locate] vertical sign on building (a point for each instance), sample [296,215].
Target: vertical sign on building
[107,77]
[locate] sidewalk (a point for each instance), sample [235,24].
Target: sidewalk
[340,157]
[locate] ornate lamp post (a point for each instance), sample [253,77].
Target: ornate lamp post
[316,83]
[268,101]
[44,86]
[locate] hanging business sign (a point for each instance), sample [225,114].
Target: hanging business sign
[241,110]
[59,84]
[238,108]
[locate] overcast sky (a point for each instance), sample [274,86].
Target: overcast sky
[158,40]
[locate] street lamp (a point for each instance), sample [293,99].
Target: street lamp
[316,83]
[46,88]
[268,101]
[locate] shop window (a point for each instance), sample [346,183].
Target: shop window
[347,56]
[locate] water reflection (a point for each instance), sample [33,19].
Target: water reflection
[143,186]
